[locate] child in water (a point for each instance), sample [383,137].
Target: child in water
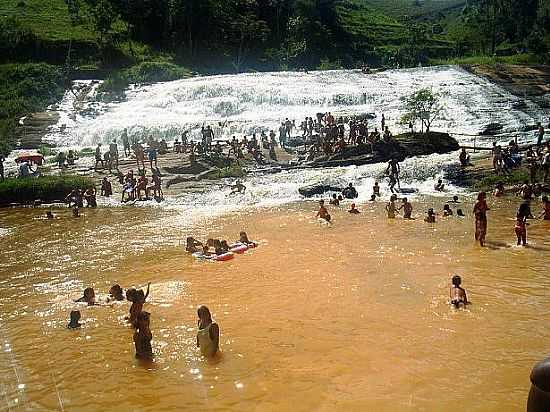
[208,335]
[137,297]
[459,212]
[224,246]
[431,216]
[323,212]
[192,245]
[457,293]
[353,210]
[390,207]
[143,337]
[376,189]
[334,201]
[372,198]
[115,293]
[447,211]
[407,208]
[49,214]
[74,320]
[243,238]
[88,297]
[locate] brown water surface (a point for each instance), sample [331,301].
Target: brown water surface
[352,317]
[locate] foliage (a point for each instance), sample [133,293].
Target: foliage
[47,188]
[423,105]
[25,88]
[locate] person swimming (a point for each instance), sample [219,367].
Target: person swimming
[391,208]
[88,297]
[49,215]
[454,200]
[208,334]
[224,246]
[353,210]
[323,212]
[430,218]
[192,245]
[74,321]
[143,336]
[407,208]
[457,293]
[372,198]
[116,293]
[447,211]
[439,186]
[459,212]
[334,201]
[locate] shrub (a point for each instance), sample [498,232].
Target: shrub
[47,188]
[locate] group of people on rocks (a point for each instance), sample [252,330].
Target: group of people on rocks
[208,334]
[537,159]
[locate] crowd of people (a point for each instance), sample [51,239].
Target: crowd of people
[208,333]
[537,159]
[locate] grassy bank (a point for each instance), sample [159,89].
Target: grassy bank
[525,58]
[488,181]
[47,189]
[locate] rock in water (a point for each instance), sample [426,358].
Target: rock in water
[319,189]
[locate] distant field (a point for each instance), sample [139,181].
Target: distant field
[402,8]
[48,19]
[364,21]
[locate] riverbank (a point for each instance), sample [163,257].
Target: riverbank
[525,81]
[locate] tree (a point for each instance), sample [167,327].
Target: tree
[423,105]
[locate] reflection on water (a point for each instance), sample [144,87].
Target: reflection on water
[352,317]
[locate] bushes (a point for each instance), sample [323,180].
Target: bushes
[146,72]
[47,188]
[25,88]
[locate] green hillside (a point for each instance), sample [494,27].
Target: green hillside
[156,40]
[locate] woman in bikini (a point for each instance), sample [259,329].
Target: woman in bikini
[524,213]
[480,213]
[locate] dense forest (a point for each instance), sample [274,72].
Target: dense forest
[45,44]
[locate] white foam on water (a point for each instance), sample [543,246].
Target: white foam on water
[248,103]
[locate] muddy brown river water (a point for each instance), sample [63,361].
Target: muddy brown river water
[352,317]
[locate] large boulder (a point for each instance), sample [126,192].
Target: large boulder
[320,188]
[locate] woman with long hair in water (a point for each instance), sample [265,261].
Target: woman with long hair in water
[480,213]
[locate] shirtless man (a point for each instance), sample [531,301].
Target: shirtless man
[390,207]
[457,293]
[407,208]
[353,210]
[323,212]
[393,169]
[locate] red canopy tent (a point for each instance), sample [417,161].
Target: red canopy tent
[36,158]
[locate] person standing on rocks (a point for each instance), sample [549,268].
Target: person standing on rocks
[125,144]
[2,158]
[393,171]
[113,150]
[98,157]
[540,133]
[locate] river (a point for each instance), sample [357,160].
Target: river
[352,317]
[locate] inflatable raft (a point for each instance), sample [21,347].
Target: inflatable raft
[242,247]
[218,258]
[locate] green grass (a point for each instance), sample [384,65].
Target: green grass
[489,60]
[403,8]
[487,183]
[47,189]
[48,19]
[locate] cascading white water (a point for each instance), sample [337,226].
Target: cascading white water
[248,103]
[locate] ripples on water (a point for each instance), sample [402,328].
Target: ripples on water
[349,317]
